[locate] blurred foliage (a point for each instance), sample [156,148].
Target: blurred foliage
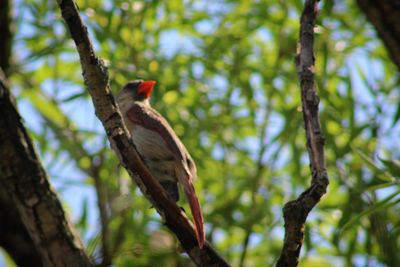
[228,84]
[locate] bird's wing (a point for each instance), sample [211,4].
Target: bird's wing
[186,170]
[150,119]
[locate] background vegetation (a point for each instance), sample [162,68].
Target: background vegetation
[227,83]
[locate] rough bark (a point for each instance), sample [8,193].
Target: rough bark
[295,212]
[14,237]
[96,79]
[27,186]
[385,16]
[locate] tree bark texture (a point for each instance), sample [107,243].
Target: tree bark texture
[27,186]
[14,238]
[96,78]
[385,16]
[295,212]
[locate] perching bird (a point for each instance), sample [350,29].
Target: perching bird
[161,149]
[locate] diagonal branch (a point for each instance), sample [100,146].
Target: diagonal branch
[295,212]
[96,79]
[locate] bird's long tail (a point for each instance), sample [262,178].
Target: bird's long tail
[196,213]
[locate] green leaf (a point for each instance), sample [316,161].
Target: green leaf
[45,107]
[74,96]
[381,186]
[380,205]
[393,166]
[7,258]
[83,220]
[396,116]
[381,174]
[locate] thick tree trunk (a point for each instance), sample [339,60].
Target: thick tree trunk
[26,183]
[14,237]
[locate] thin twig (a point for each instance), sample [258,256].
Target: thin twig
[295,212]
[96,79]
[102,205]
[257,177]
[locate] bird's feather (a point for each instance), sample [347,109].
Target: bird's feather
[145,116]
[142,115]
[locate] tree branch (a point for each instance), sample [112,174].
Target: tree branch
[385,16]
[26,183]
[102,205]
[96,79]
[295,212]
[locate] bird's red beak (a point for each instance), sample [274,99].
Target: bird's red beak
[146,87]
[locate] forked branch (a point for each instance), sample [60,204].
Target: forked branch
[295,212]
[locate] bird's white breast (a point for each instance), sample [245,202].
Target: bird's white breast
[158,157]
[149,143]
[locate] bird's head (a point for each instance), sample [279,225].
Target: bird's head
[138,90]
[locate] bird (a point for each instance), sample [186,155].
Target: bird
[160,148]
